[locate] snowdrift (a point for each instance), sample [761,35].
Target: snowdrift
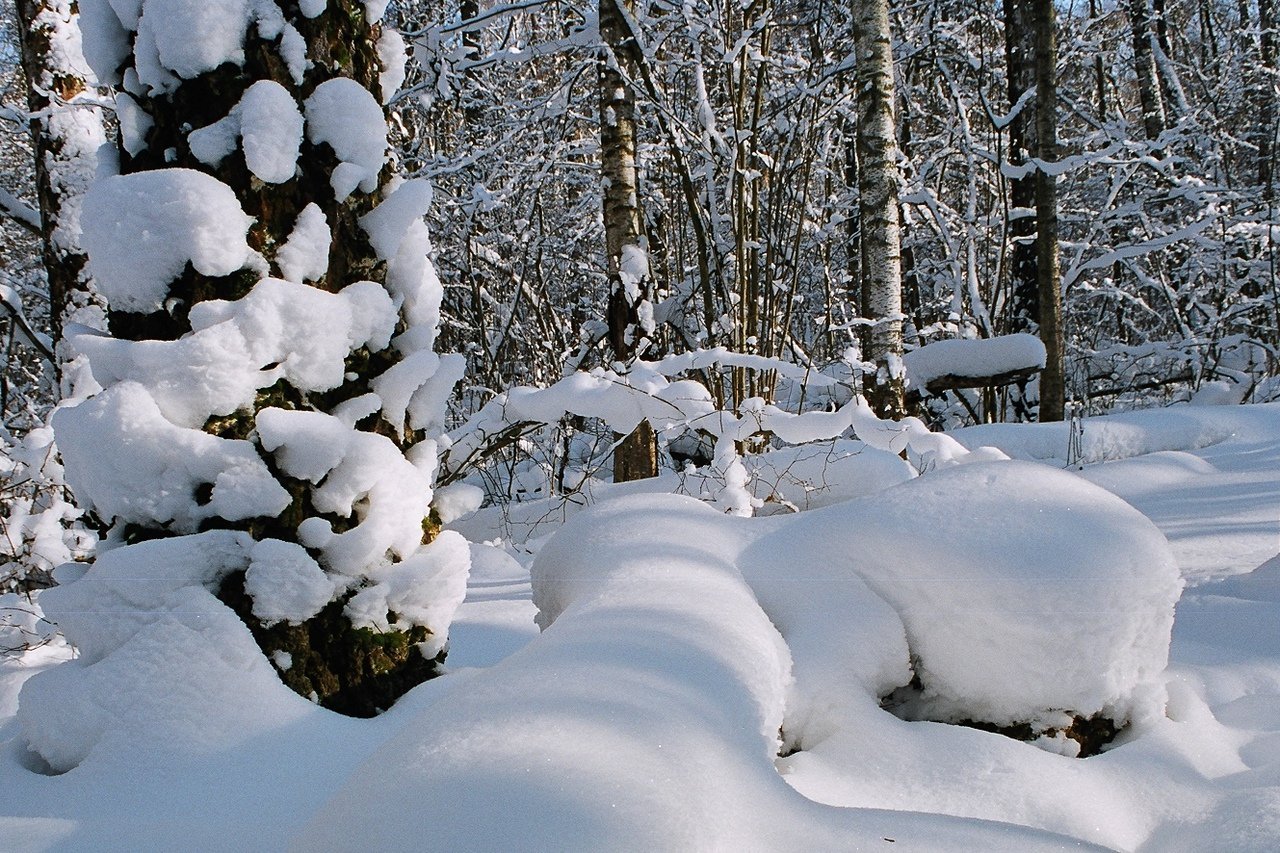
[682,646]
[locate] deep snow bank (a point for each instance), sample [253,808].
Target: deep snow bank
[645,717]
[1121,436]
[1023,589]
[161,663]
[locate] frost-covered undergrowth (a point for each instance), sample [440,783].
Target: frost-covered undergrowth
[685,647]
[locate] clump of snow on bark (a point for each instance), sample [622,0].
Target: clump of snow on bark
[286,585]
[412,279]
[417,388]
[127,462]
[135,124]
[267,121]
[388,224]
[392,56]
[293,51]
[141,230]
[352,468]
[270,131]
[305,254]
[633,271]
[312,8]
[279,330]
[167,28]
[457,500]
[104,40]
[307,445]
[167,43]
[424,589]
[345,116]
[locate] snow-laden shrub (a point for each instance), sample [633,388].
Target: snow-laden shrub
[39,527]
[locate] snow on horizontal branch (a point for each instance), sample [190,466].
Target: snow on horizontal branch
[702,359]
[951,364]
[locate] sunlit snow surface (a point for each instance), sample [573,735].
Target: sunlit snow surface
[646,716]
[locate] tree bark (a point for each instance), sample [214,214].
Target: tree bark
[1052,386]
[1149,97]
[878,206]
[1268,92]
[1020,59]
[629,311]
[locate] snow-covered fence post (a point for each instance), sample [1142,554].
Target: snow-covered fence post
[273,312]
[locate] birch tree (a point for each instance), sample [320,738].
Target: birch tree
[629,312]
[878,207]
[65,139]
[1150,100]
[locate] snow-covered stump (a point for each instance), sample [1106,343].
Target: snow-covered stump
[270,367]
[1056,625]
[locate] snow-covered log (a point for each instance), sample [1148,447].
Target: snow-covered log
[951,364]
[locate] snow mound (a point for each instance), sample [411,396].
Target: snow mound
[162,661]
[645,718]
[1069,608]
[1261,584]
[1120,436]
[822,473]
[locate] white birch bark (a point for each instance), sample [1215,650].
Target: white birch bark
[878,206]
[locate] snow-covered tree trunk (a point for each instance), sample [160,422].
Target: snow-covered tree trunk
[878,203]
[630,309]
[274,314]
[65,139]
[1049,316]
[1144,61]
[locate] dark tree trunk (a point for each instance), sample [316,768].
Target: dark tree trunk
[1052,387]
[1019,41]
[1269,91]
[1031,51]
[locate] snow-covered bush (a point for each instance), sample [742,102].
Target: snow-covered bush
[39,527]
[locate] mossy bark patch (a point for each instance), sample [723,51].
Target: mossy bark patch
[359,672]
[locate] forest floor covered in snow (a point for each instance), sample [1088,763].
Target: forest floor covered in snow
[684,652]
